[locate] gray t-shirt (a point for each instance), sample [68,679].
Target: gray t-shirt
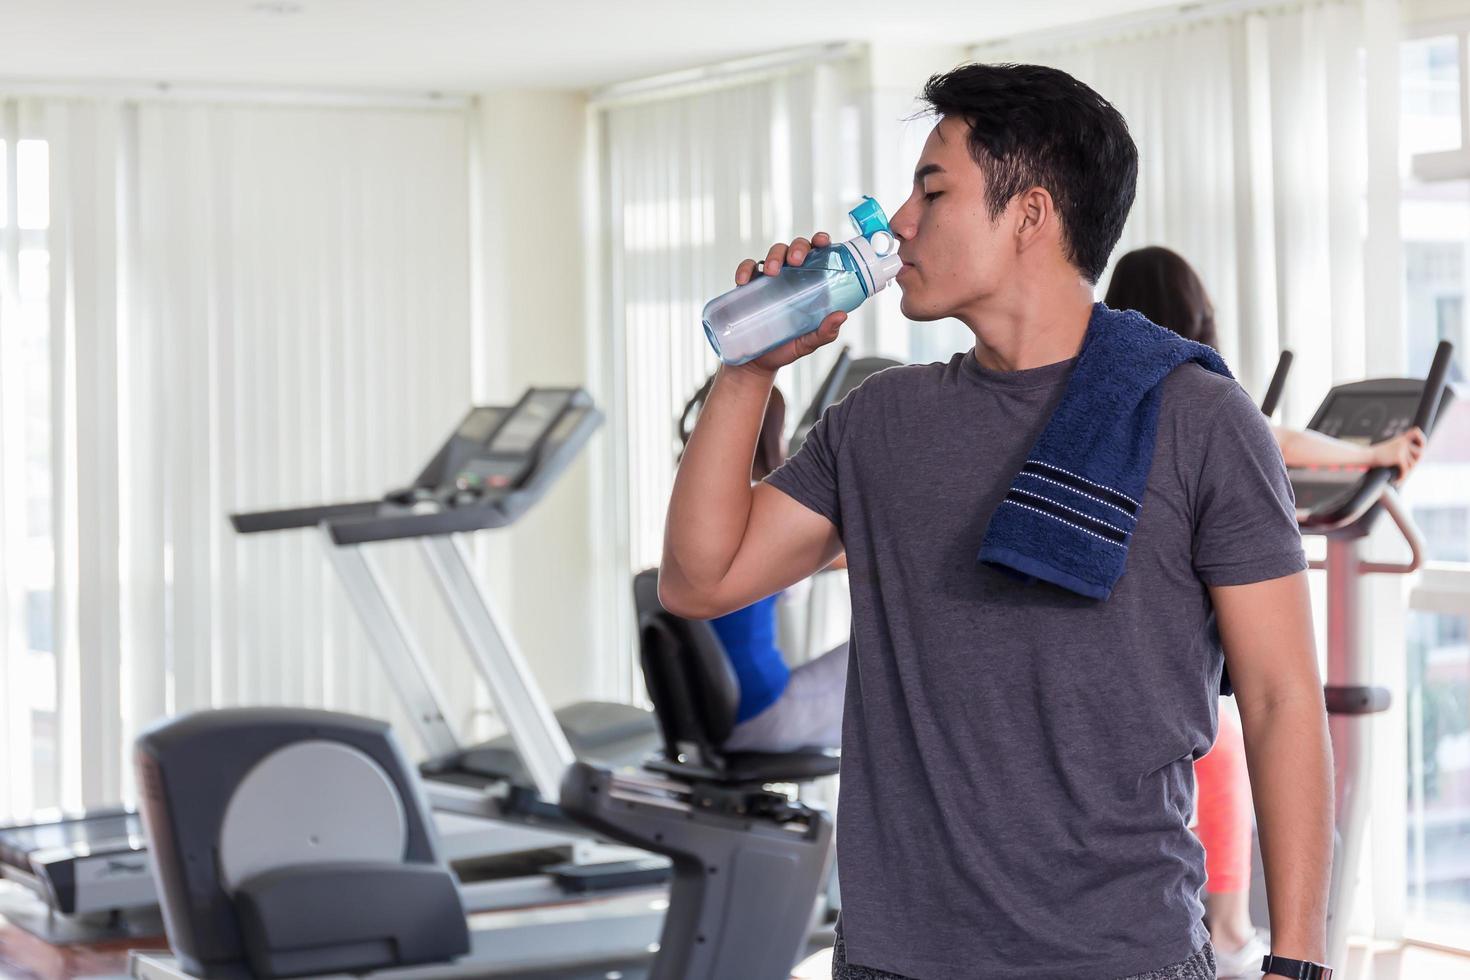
[1017,759]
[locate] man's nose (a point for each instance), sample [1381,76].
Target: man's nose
[903,224]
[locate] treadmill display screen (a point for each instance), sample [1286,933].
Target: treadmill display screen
[522,430]
[566,425]
[1366,420]
[478,425]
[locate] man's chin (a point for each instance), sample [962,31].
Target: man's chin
[913,310]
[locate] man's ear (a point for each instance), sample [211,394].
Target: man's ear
[1038,215]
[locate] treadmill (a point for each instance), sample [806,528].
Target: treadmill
[85,875]
[496,802]
[495,465]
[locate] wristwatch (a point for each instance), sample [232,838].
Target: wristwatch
[1296,969]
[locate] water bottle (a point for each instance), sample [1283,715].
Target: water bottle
[768,311]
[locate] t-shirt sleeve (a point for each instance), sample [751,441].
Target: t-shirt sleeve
[810,477]
[1245,526]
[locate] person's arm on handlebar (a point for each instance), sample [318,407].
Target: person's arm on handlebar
[1303,447]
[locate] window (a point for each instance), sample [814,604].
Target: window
[1430,115]
[1439,768]
[28,557]
[1432,141]
[1446,531]
[1435,221]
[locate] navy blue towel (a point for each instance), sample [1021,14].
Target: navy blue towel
[1070,513]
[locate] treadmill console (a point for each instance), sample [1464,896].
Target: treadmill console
[1364,412]
[467,439]
[495,465]
[507,445]
[1368,412]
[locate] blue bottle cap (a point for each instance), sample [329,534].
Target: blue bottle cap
[869,218]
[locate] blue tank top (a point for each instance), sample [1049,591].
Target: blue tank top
[749,637]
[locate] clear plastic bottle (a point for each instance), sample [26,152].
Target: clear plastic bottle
[768,311]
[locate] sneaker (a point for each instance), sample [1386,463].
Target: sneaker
[1244,962]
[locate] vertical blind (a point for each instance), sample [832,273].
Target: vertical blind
[692,183]
[238,307]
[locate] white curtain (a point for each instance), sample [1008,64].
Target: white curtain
[1251,129]
[692,183]
[248,307]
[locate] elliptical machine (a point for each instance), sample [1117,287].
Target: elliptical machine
[1342,505]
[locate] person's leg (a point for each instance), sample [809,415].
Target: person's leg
[1224,829]
[808,714]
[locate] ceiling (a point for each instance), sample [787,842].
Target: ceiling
[469,45]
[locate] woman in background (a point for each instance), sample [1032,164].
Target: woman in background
[1163,287]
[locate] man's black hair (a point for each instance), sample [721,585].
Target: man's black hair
[1034,126]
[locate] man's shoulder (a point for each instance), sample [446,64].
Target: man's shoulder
[1192,380]
[901,378]
[1195,393]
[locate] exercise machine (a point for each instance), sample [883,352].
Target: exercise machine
[85,877]
[1343,505]
[293,842]
[496,803]
[496,464]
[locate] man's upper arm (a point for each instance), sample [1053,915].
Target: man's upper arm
[1248,552]
[1266,629]
[793,530]
[1245,526]
[784,543]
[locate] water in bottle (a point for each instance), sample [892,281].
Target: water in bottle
[768,311]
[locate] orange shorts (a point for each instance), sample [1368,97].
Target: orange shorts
[1223,809]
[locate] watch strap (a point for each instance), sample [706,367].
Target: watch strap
[1295,969]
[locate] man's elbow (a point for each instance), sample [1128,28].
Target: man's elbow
[682,599]
[1297,693]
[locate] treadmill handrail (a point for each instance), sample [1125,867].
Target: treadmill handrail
[288,518]
[393,527]
[1434,384]
[1277,384]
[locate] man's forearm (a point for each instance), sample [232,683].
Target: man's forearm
[710,505]
[1290,757]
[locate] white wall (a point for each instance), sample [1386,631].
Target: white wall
[533,329]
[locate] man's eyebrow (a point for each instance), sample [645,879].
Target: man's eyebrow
[926,170]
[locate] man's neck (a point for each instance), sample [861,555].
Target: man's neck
[1029,328]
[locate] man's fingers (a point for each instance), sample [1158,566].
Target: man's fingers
[774,258]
